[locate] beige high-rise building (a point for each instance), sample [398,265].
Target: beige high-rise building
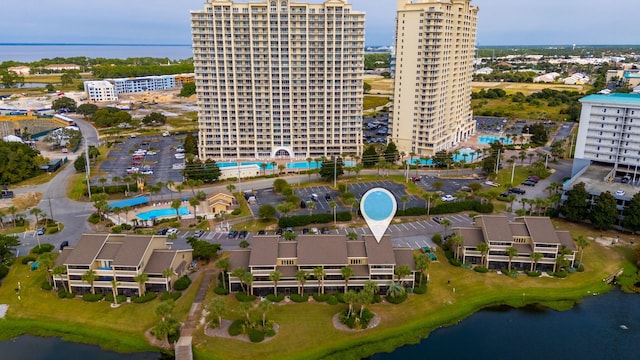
[435,44]
[278,79]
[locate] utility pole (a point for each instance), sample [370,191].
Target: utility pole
[86,165]
[335,171]
[513,171]
[498,161]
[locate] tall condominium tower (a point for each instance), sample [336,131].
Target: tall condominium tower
[278,79]
[435,42]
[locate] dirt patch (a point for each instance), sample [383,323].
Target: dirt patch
[21,201]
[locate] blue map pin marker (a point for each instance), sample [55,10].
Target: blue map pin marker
[378,206]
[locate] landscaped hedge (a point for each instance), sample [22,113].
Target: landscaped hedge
[150,295]
[182,283]
[170,295]
[480,269]
[92,297]
[109,298]
[299,298]
[449,208]
[333,300]
[321,297]
[41,249]
[256,335]
[235,328]
[46,286]
[65,294]
[274,298]
[112,189]
[302,220]
[27,259]
[397,300]
[243,297]
[221,291]
[420,290]
[533,273]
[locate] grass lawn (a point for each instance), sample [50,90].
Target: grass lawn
[40,312]
[306,330]
[372,102]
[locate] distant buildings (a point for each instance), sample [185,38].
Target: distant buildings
[20,70]
[527,235]
[435,45]
[109,89]
[62,67]
[278,79]
[100,91]
[546,78]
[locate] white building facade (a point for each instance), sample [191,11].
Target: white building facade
[100,91]
[142,84]
[435,44]
[278,79]
[609,132]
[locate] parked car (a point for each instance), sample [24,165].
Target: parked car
[146,172]
[162,231]
[179,155]
[327,197]
[447,198]
[198,233]
[305,231]
[314,231]
[165,134]
[232,234]
[279,231]
[620,193]
[261,232]
[517,191]
[41,231]
[243,234]
[303,204]
[324,230]
[63,245]
[132,170]
[314,197]
[529,183]
[534,178]
[172,231]
[438,219]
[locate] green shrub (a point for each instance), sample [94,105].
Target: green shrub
[397,300]
[437,239]
[170,295]
[350,321]
[92,297]
[340,297]
[533,273]
[109,298]
[126,226]
[64,294]
[116,229]
[243,297]
[27,259]
[41,249]
[481,269]
[235,328]
[46,286]
[299,298]
[182,283]
[580,268]
[321,297]
[334,300]
[221,291]
[255,335]
[150,295]
[420,290]
[94,218]
[455,262]
[236,212]
[273,298]
[561,274]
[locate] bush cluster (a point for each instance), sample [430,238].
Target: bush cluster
[27,259]
[397,300]
[111,189]
[4,270]
[221,291]
[243,297]
[350,321]
[43,248]
[333,300]
[92,297]
[148,296]
[480,269]
[302,220]
[299,298]
[170,295]
[236,212]
[182,283]
[255,335]
[420,290]
[235,328]
[533,273]
[109,298]
[321,297]
[273,298]
[46,286]
[94,218]
[449,208]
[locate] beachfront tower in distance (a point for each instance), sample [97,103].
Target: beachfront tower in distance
[435,43]
[278,79]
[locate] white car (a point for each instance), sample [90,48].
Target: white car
[146,172]
[179,155]
[165,134]
[447,198]
[620,193]
[132,170]
[172,231]
[151,152]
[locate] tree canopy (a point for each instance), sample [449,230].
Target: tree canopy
[327,170]
[154,118]
[64,103]
[605,212]
[207,171]
[632,214]
[18,162]
[575,207]
[188,89]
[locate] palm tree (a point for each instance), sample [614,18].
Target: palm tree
[166,274]
[511,253]
[301,277]
[46,261]
[483,248]
[309,160]
[582,244]
[456,242]
[141,279]
[404,199]
[535,258]
[352,235]
[402,271]
[114,289]
[275,276]
[347,273]
[36,212]
[395,290]
[273,167]
[90,277]
[217,307]
[428,197]
[13,210]
[334,206]
[422,265]
[263,167]
[102,182]
[223,265]
[350,297]
[59,271]
[175,204]
[239,274]
[194,202]
[445,224]
[319,274]
[246,307]
[127,180]
[310,206]
[230,188]
[170,184]
[265,306]
[247,278]
[180,187]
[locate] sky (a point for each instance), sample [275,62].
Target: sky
[500,22]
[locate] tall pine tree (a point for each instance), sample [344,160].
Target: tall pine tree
[575,208]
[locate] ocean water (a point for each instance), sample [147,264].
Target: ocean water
[36,52]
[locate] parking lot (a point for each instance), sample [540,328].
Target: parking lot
[376,129]
[157,162]
[449,186]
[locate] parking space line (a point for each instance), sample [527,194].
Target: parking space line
[413,226]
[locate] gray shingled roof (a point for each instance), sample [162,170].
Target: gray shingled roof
[159,260]
[541,230]
[356,249]
[264,250]
[239,259]
[495,228]
[519,229]
[379,253]
[287,249]
[132,250]
[404,257]
[109,251]
[322,250]
[62,258]
[471,236]
[87,249]
[566,240]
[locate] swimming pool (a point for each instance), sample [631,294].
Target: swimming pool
[464,154]
[129,202]
[298,165]
[488,139]
[158,213]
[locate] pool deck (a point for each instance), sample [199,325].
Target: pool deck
[128,218]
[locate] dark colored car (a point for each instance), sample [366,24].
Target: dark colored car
[529,183]
[198,233]
[504,195]
[232,234]
[438,219]
[305,231]
[517,191]
[324,230]
[63,245]
[303,204]
[279,232]
[162,231]
[261,232]
[327,197]
[243,234]
[534,178]
[41,231]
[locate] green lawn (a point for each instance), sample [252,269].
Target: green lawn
[372,102]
